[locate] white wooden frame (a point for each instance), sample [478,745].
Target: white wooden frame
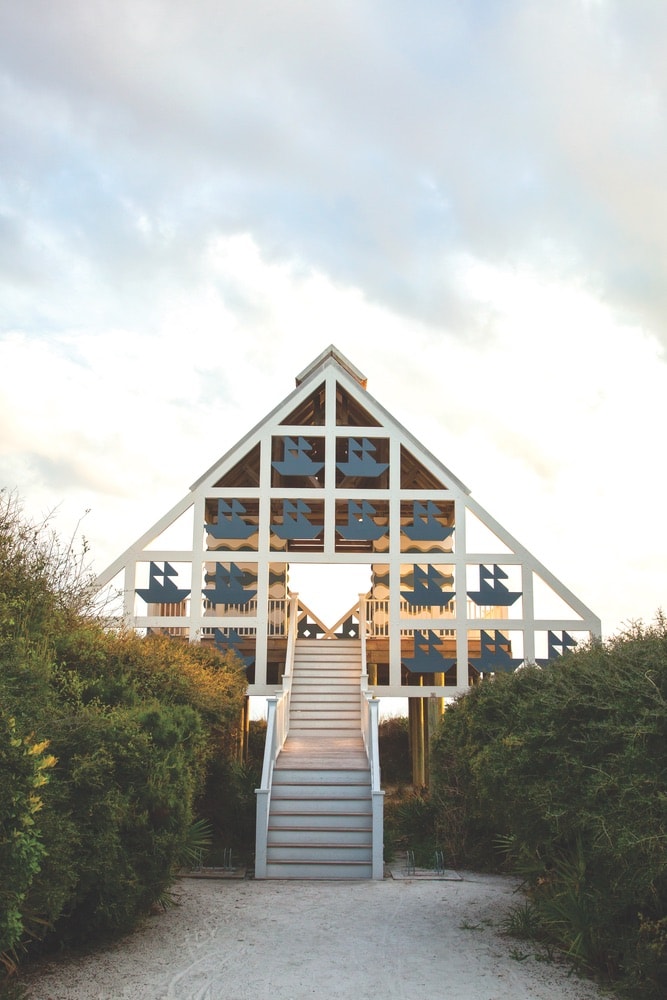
[332,369]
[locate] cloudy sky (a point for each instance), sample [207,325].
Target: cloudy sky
[468,198]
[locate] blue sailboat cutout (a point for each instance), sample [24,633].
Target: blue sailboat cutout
[231,641]
[493,594]
[427,589]
[228,586]
[230,524]
[360,524]
[495,655]
[557,646]
[296,461]
[425,526]
[360,461]
[295,523]
[427,659]
[161,589]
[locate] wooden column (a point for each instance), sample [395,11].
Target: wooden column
[244,729]
[433,709]
[417,741]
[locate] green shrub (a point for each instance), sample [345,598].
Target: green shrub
[410,823]
[135,725]
[566,769]
[229,805]
[24,767]
[126,781]
[394,744]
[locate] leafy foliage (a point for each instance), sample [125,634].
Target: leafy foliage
[394,745]
[24,767]
[132,727]
[410,824]
[563,771]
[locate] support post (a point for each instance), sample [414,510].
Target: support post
[244,729]
[416,727]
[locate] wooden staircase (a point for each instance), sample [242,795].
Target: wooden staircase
[320,815]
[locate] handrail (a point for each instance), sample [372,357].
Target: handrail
[362,610]
[277,727]
[370,721]
[378,611]
[292,632]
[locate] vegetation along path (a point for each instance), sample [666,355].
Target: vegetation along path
[232,940]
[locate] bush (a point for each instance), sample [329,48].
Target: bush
[132,727]
[23,772]
[410,824]
[125,782]
[394,743]
[565,770]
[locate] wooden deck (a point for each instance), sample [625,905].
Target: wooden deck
[312,751]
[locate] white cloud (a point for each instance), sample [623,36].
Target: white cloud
[557,447]
[467,199]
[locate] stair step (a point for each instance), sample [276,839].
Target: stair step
[322,749]
[337,670]
[320,789]
[318,852]
[320,776]
[319,870]
[352,665]
[346,728]
[351,682]
[349,719]
[315,692]
[348,671]
[294,777]
[313,704]
[316,696]
[341,821]
[347,659]
[338,685]
[320,663]
[310,705]
[325,716]
[350,709]
[319,835]
[332,651]
[358,762]
[299,798]
[307,805]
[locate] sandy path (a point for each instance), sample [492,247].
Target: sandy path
[247,940]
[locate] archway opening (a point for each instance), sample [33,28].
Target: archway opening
[329,591]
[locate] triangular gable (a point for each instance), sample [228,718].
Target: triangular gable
[330,476]
[300,402]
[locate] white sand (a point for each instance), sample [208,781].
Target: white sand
[247,940]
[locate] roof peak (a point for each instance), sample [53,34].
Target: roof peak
[331,353]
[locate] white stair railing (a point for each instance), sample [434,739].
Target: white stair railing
[277,727]
[370,721]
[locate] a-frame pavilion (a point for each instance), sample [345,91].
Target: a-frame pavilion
[329,477]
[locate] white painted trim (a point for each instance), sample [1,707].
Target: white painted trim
[332,369]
